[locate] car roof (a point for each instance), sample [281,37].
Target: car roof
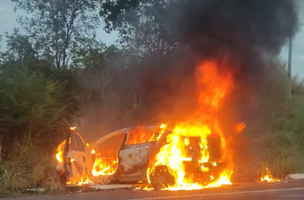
[117,132]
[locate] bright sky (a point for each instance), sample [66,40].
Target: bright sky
[8,23]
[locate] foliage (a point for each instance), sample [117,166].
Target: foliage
[27,167]
[30,105]
[143,24]
[19,50]
[282,148]
[36,107]
[277,137]
[58,28]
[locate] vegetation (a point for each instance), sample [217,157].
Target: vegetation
[57,75]
[58,29]
[280,148]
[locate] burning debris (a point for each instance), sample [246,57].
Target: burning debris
[268,177]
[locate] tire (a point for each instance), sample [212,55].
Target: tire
[106,179]
[161,178]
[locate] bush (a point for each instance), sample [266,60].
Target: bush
[33,119]
[28,167]
[277,136]
[282,147]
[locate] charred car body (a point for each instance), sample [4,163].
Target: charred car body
[125,155]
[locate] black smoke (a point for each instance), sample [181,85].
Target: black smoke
[244,32]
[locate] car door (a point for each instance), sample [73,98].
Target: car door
[133,156]
[105,157]
[75,159]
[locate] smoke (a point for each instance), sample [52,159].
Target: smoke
[213,26]
[243,34]
[245,30]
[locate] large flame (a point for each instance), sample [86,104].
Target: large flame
[104,165]
[59,155]
[215,159]
[106,160]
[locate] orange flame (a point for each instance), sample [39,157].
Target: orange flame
[163,126]
[203,126]
[103,166]
[137,135]
[59,155]
[268,177]
[81,182]
[105,163]
[240,127]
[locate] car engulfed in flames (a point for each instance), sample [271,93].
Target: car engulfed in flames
[120,156]
[194,154]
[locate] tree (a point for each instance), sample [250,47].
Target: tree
[19,49]
[31,105]
[36,100]
[58,28]
[143,24]
[90,56]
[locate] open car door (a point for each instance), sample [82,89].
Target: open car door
[105,157]
[76,155]
[134,154]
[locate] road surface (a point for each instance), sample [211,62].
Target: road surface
[263,191]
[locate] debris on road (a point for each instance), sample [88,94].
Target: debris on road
[295,176]
[114,186]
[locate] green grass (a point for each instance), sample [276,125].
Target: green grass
[282,148]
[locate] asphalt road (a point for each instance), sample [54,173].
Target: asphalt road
[253,191]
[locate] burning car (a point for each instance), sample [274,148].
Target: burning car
[129,155]
[196,153]
[120,156]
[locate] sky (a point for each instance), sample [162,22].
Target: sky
[298,46]
[8,23]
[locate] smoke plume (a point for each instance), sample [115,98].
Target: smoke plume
[243,33]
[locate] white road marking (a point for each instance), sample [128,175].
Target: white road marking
[225,193]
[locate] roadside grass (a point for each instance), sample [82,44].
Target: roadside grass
[28,168]
[282,149]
